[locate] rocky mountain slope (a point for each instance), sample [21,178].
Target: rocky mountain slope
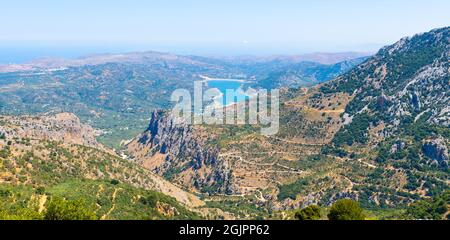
[409,79]
[403,91]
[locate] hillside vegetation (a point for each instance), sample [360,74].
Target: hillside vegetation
[45,168]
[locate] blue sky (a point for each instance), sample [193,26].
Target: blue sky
[217,27]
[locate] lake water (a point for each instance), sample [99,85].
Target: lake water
[224,85]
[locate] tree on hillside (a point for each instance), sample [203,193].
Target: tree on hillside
[309,213]
[346,209]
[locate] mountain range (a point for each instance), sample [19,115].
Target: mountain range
[117,93]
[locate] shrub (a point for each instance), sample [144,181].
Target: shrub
[150,200]
[40,190]
[19,214]
[60,209]
[115,182]
[346,209]
[309,213]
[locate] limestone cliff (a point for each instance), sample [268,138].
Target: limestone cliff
[177,152]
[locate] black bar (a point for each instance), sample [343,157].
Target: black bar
[225,230]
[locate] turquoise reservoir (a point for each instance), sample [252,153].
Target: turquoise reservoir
[224,85]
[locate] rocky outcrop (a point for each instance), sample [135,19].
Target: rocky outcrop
[175,151]
[436,150]
[62,127]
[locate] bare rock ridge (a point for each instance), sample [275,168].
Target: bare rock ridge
[64,127]
[176,152]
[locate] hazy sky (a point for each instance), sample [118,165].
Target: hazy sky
[218,27]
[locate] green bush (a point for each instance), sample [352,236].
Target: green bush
[40,190]
[346,209]
[115,182]
[151,200]
[19,214]
[60,209]
[309,213]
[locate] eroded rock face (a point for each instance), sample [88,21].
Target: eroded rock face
[436,149]
[64,127]
[177,153]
